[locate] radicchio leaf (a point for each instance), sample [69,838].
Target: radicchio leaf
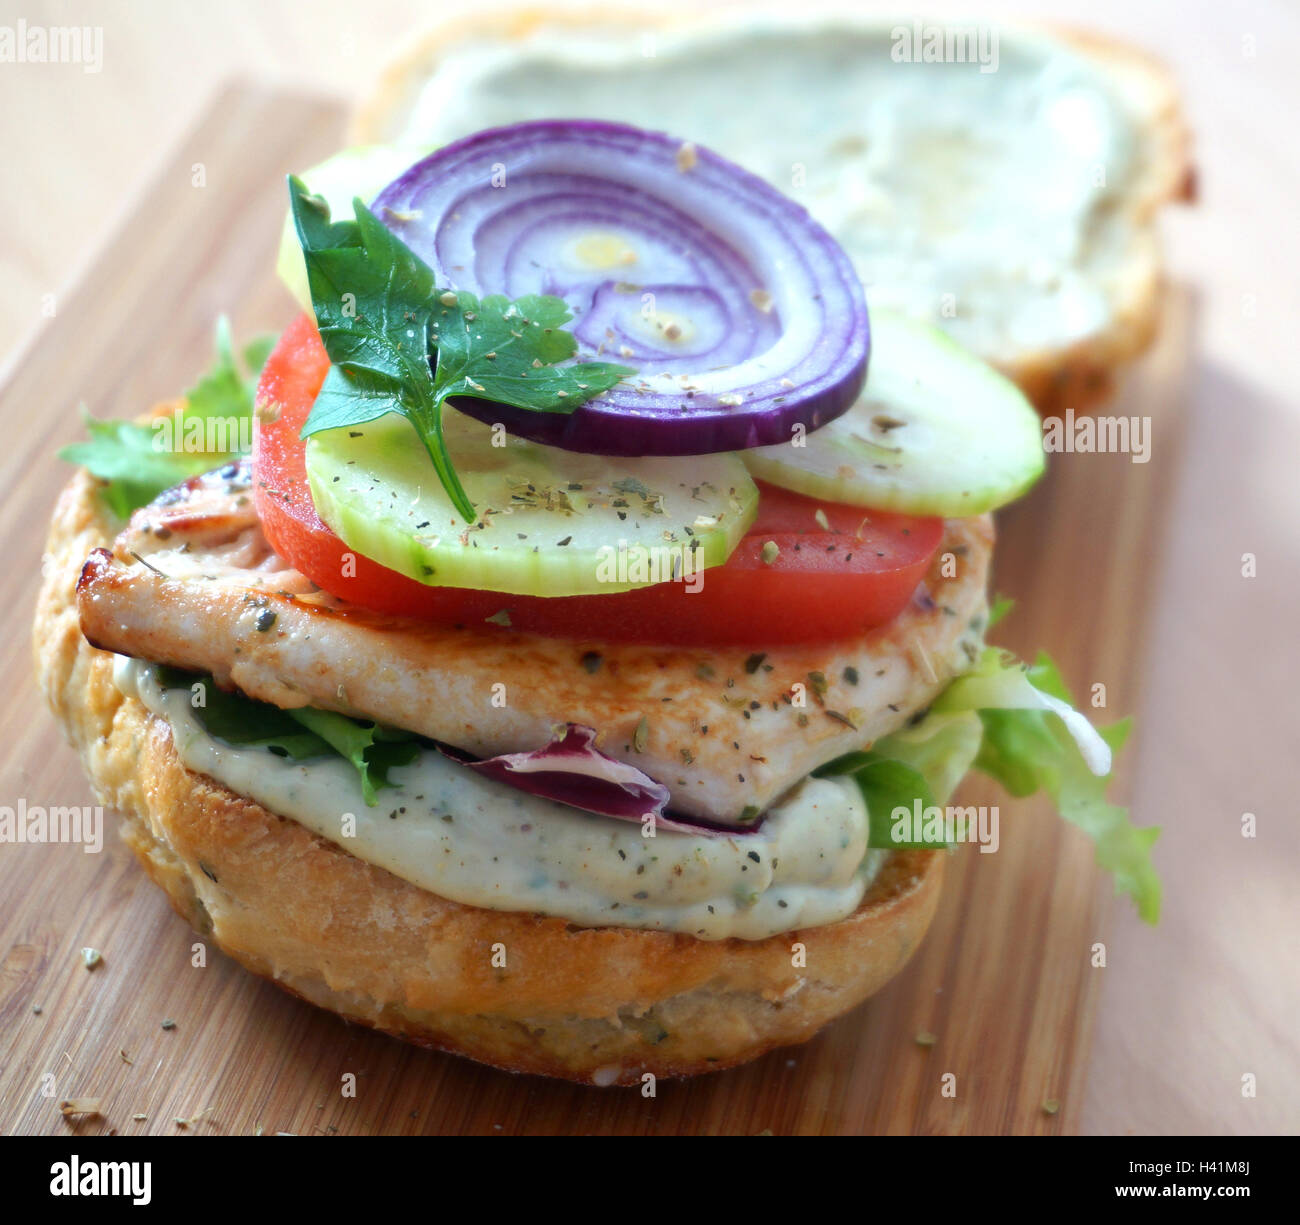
[571,770]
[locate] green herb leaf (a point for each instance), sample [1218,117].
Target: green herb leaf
[122,454]
[383,321]
[229,388]
[372,748]
[139,461]
[487,350]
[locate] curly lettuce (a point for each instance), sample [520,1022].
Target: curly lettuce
[1016,723]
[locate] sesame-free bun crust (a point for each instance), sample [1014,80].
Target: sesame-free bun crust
[1079,375]
[596,1005]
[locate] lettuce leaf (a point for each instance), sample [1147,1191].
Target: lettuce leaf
[886,784]
[1017,724]
[133,459]
[940,747]
[1000,682]
[1001,607]
[372,748]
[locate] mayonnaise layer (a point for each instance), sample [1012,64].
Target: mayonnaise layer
[479,842]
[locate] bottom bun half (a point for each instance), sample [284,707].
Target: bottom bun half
[519,991]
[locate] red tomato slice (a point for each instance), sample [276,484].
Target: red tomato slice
[830,578]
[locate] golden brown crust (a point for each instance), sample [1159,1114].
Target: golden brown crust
[1083,375]
[1078,376]
[599,1005]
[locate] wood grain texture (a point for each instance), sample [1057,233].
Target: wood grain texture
[1004,980]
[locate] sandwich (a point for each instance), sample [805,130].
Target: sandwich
[577,674]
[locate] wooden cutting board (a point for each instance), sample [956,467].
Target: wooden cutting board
[1003,982]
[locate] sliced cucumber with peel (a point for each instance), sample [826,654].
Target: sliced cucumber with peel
[935,432]
[550,522]
[362,171]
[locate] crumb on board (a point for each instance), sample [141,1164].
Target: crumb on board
[81,1107]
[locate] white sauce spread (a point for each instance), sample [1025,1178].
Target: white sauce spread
[482,843]
[978,201]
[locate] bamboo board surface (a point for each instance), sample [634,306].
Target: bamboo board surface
[1003,981]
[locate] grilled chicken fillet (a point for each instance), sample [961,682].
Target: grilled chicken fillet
[192,582]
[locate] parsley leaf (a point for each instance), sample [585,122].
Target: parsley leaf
[139,461]
[486,349]
[399,345]
[227,390]
[122,453]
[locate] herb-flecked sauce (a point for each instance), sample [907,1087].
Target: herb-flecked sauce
[482,843]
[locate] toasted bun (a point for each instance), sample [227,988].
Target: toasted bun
[598,1005]
[1078,375]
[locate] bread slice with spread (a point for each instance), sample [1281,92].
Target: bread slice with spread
[999,181]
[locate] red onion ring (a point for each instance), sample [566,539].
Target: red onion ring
[743,317]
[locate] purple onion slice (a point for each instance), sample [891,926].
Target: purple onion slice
[572,771]
[743,317]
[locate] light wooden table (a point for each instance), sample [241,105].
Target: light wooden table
[1211,995]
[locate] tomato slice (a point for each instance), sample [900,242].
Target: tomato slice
[808,571]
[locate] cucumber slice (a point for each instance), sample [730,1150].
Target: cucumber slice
[935,432]
[363,171]
[551,522]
